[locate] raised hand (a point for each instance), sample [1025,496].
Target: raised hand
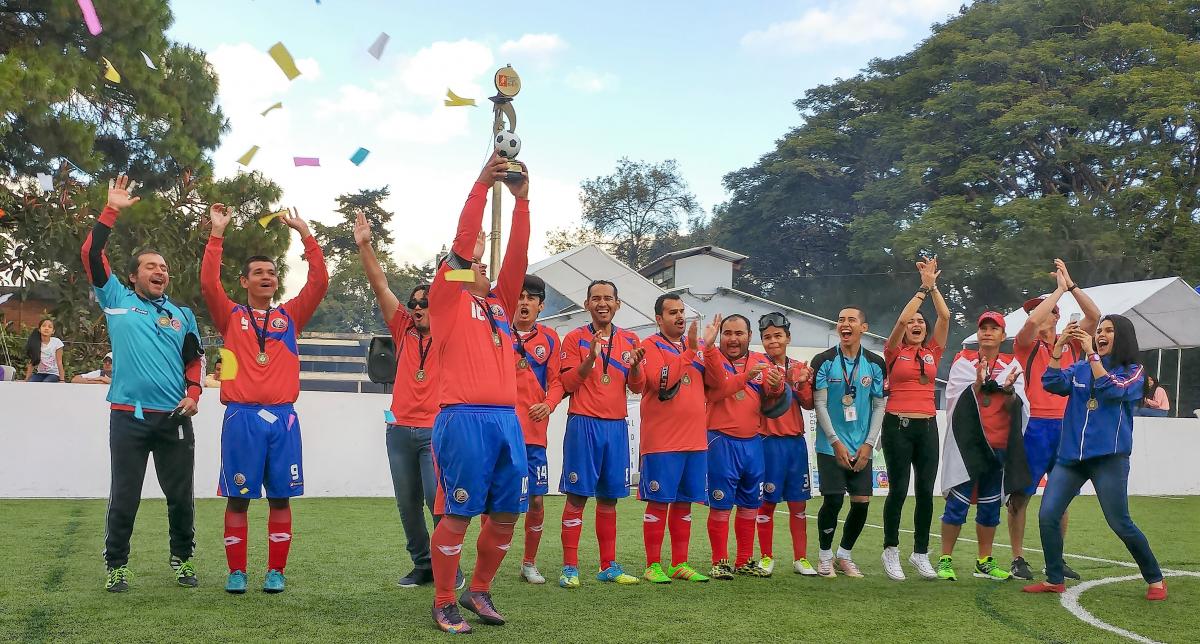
[362,229]
[928,268]
[118,193]
[711,331]
[597,349]
[1012,377]
[520,188]
[774,377]
[480,245]
[1085,340]
[291,217]
[219,214]
[1061,267]
[494,170]
[982,370]
[693,335]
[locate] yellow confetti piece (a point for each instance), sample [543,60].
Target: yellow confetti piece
[273,107]
[245,158]
[454,100]
[229,364]
[244,490]
[266,219]
[460,275]
[283,58]
[110,72]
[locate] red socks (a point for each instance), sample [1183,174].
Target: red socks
[445,549]
[654,528]
[235,540]
[533,533]
[680,522]
[279,537]
[798,522]
[718,534]
[572,525]
[493,543]
[766,528]
[606,533]
[743,532]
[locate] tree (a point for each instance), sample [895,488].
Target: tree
[634,212]
[350,306]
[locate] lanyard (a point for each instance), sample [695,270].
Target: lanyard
[666,393]
[423,348]
[848,376]
[520,341]
[261,334]
[490,318]
[612,340]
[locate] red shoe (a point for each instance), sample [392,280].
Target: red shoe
[1045,587]
[1157,594]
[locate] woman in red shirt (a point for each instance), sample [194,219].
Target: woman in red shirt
[910,433]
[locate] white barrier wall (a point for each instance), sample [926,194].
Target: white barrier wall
[54,443]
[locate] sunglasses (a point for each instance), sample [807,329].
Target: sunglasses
[422,303]
[773,319]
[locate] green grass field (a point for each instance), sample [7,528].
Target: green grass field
[348,554]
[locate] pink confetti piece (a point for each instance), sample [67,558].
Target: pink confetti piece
[309,161]
[90,17]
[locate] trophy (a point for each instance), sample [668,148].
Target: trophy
[507,143]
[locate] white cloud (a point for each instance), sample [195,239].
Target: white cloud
[538,48]
[850,22]
[590,81]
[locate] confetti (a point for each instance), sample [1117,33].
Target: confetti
[360,156]
[389,417]
[2,213]
[245,158]
[4,298]
[111,72]
[309,161]
[454,100]
[460,275]
[266,219]
[283,58]
[229,364]
[46,182]
[273,107]
[149,63]
[376,48]
[90,17]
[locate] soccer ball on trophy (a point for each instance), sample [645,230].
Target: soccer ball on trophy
[508,144]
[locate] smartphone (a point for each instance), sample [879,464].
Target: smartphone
[1074,319]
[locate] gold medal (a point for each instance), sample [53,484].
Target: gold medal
[605,379]
[496,339]
[420,375]
[687,380]
[522,363]
[1093,404]
[847,400]
[741,395]
[987,400]
[262,358]
[924,379]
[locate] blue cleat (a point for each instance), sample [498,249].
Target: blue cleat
[615,573]
[236,583]
[274,582]
[569,577]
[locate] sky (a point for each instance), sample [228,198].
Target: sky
[711,85]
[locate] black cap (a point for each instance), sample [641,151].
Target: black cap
[535,285]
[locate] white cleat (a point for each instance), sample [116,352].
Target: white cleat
[803,567]
[530,573]
[920,561]
[891,563]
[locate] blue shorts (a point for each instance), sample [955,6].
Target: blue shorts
[987,493]
[480,456]
[539,470]
[260,447]
[1041,447]
[735,471]
[667,477]
[595,458]
[787,476]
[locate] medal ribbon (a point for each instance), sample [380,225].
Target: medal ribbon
[482,302]
[612,340]
[847,375]
[261,334]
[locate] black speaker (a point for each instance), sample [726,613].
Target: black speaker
[381,360]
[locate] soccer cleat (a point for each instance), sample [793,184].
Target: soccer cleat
[274,581]
[449,620]
[1044,587]
[767,564]
[986,568]
[751,569]
[615,573]
[891,563]
[825,568]
[848,567]
[1068,572]
[721,570]
[531,574]
[236,582]
[655,575]
[1157,594]
[416,577]
[185,572]
[481,604]
[1020,569]
[460,582]
[118,579]
[945,569]
[801,566]
[569,577]
[920,561]
[684,572]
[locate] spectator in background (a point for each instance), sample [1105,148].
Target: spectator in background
[213,379]
[1155,401]
[45,354]
[101,376]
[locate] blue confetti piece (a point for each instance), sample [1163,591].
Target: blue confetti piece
[389,417]
[137,411]
[360,156]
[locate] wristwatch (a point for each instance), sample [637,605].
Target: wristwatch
[1095,357]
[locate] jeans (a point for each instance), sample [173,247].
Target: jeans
[411,460]
[1110,476]
[907,450]
[1146,411]
[43,377]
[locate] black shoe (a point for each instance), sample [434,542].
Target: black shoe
[185,572]
[460,582]
[1068,572]
[1020,569]
[417,577]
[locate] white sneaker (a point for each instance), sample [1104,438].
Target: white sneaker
[920,561]
[529,573]
[767,564]
[825,567]
[848,567]
[803,567]
[891,563]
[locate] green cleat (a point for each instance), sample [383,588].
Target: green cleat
[118,579]
[655,575]
[236,582]
[767,564]
[569,577]
[274,581]
[986,568]
[945,569]
[185,572]
[684,572]
[721,570]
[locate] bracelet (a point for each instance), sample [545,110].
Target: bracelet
[1072,287]
[1056,357]
[927,289]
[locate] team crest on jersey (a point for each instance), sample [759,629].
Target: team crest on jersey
[769,487]
[572,478]
[718,495]
[239,479]
[928,358]
[563,355]
[279,324]
[540,352]
[654,486]
[497,311]
[461,496]
[626,357]
[866,381]
[177,325]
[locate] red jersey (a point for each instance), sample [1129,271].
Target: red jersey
[594,397]
[792,422]
[278,380]
[538,363]
[415,390]
[677,424]
[1043,404]
[735,399]
[994,416]
[905,366]
[472,340]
